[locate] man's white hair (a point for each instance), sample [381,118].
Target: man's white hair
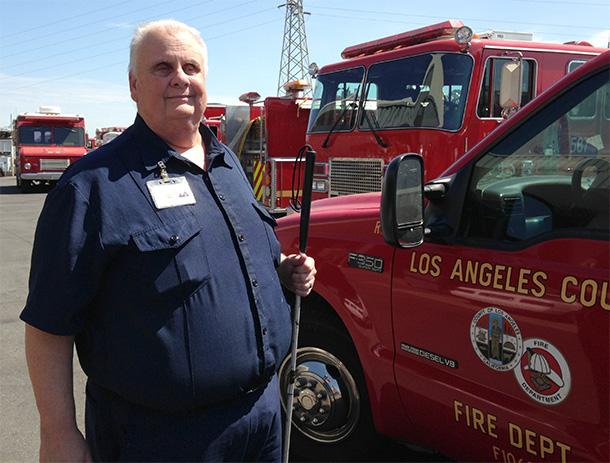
[170,26]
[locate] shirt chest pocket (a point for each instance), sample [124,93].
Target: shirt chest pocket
[171,261]
[269,223]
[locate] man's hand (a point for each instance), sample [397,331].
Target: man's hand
[63,445]
[297,272]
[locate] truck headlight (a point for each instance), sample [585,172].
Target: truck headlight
[27,166]
[319,186]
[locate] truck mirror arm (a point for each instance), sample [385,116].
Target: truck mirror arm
[437,231]
[434,191]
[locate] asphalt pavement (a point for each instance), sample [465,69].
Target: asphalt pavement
[19,419]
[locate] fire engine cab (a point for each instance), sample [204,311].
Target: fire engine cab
[468,314]
[46,143]
[437,86]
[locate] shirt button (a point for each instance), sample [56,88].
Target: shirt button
[264,331]
[254,283]
[221,197]
[174,239]
[241,237]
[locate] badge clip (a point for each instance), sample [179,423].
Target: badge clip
[163,172]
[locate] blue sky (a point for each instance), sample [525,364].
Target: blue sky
[74,54]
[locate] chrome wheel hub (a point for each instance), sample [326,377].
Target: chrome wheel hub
[326,403]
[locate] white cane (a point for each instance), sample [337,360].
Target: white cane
[310,157]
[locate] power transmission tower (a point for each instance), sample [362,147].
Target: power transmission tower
[295,57]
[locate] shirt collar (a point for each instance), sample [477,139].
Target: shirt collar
[154,149]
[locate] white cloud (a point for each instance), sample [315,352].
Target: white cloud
[601,39]
[127,26]
[102,103]
[225,99]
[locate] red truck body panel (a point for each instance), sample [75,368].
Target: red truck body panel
[285,122]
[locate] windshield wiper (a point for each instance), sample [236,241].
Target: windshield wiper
[380,141]
[349,105]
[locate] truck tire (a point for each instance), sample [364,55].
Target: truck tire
[331,418]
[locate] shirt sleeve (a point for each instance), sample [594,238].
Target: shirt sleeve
[68,260]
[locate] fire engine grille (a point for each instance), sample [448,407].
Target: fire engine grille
[355,175]
[54,164]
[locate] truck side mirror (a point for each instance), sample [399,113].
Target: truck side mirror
[510,85]
[402,222]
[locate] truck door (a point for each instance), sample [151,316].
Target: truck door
[501,330]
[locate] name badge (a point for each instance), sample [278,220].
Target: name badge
[172,192]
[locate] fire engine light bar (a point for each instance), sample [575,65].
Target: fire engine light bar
[423,34]
[296,85]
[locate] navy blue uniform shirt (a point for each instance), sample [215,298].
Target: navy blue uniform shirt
[174,308]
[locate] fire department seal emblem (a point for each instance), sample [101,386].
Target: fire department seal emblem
[496,339]
[543,372]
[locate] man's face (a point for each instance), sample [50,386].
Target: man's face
[168,84]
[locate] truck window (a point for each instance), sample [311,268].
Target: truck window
[419,91]
[536,182]
[64,136]
[69,136]
[29,135]
[587,108]
[489,97]
[335,101]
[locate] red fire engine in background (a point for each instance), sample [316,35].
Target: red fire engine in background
[439,85]
[468,315]
[46,143]
[266,136]
[104,135]
[214,116]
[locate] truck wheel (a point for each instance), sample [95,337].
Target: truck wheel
[331,419]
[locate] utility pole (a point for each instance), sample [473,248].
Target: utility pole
[295,57]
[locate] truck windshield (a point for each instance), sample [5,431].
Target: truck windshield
[427,91]
[336,96]
[60,136]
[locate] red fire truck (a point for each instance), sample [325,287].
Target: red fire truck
[469,315]
[434,86]
[437,86]
[266,137]
[46,143]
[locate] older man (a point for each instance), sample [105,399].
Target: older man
[154,258]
